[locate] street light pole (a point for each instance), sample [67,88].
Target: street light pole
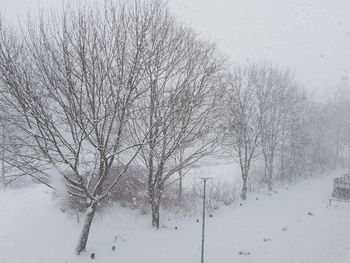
[204,179]
[3,156]
[349,162]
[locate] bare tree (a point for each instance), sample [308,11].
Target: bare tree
[243,109]
[339,107]
[319,130]
[294,134]
[271,106]
[73,80]
[181,74]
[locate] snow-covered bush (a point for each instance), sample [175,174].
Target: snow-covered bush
[217,194]
[129,192]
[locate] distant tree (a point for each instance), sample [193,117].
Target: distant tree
[339,109]
[243,108]
[319,130]
[271,105]
[294,134]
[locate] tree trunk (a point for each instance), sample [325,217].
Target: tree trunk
[155,216]
[155,204]
[86,228]
[282,148]
[342,158]
[336,155]
[270,179]
[180,175]
[244,188]
[270,174]
[3,157]
[180,187]
[244,172]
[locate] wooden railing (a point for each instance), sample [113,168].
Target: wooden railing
[342,182]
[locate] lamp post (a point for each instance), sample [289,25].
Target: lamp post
[204,179]
[349,162]
[3,156]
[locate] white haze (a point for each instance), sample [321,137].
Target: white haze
[312,37]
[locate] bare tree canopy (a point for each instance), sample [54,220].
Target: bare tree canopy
[182,77]
[72,81]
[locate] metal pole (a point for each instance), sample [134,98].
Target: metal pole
[349,162]
[203,219]
[3,156]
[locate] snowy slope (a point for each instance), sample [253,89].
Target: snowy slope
[34,230]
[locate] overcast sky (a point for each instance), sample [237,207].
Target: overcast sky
[311,37]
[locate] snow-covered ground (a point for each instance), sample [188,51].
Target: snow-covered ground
[33,229]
